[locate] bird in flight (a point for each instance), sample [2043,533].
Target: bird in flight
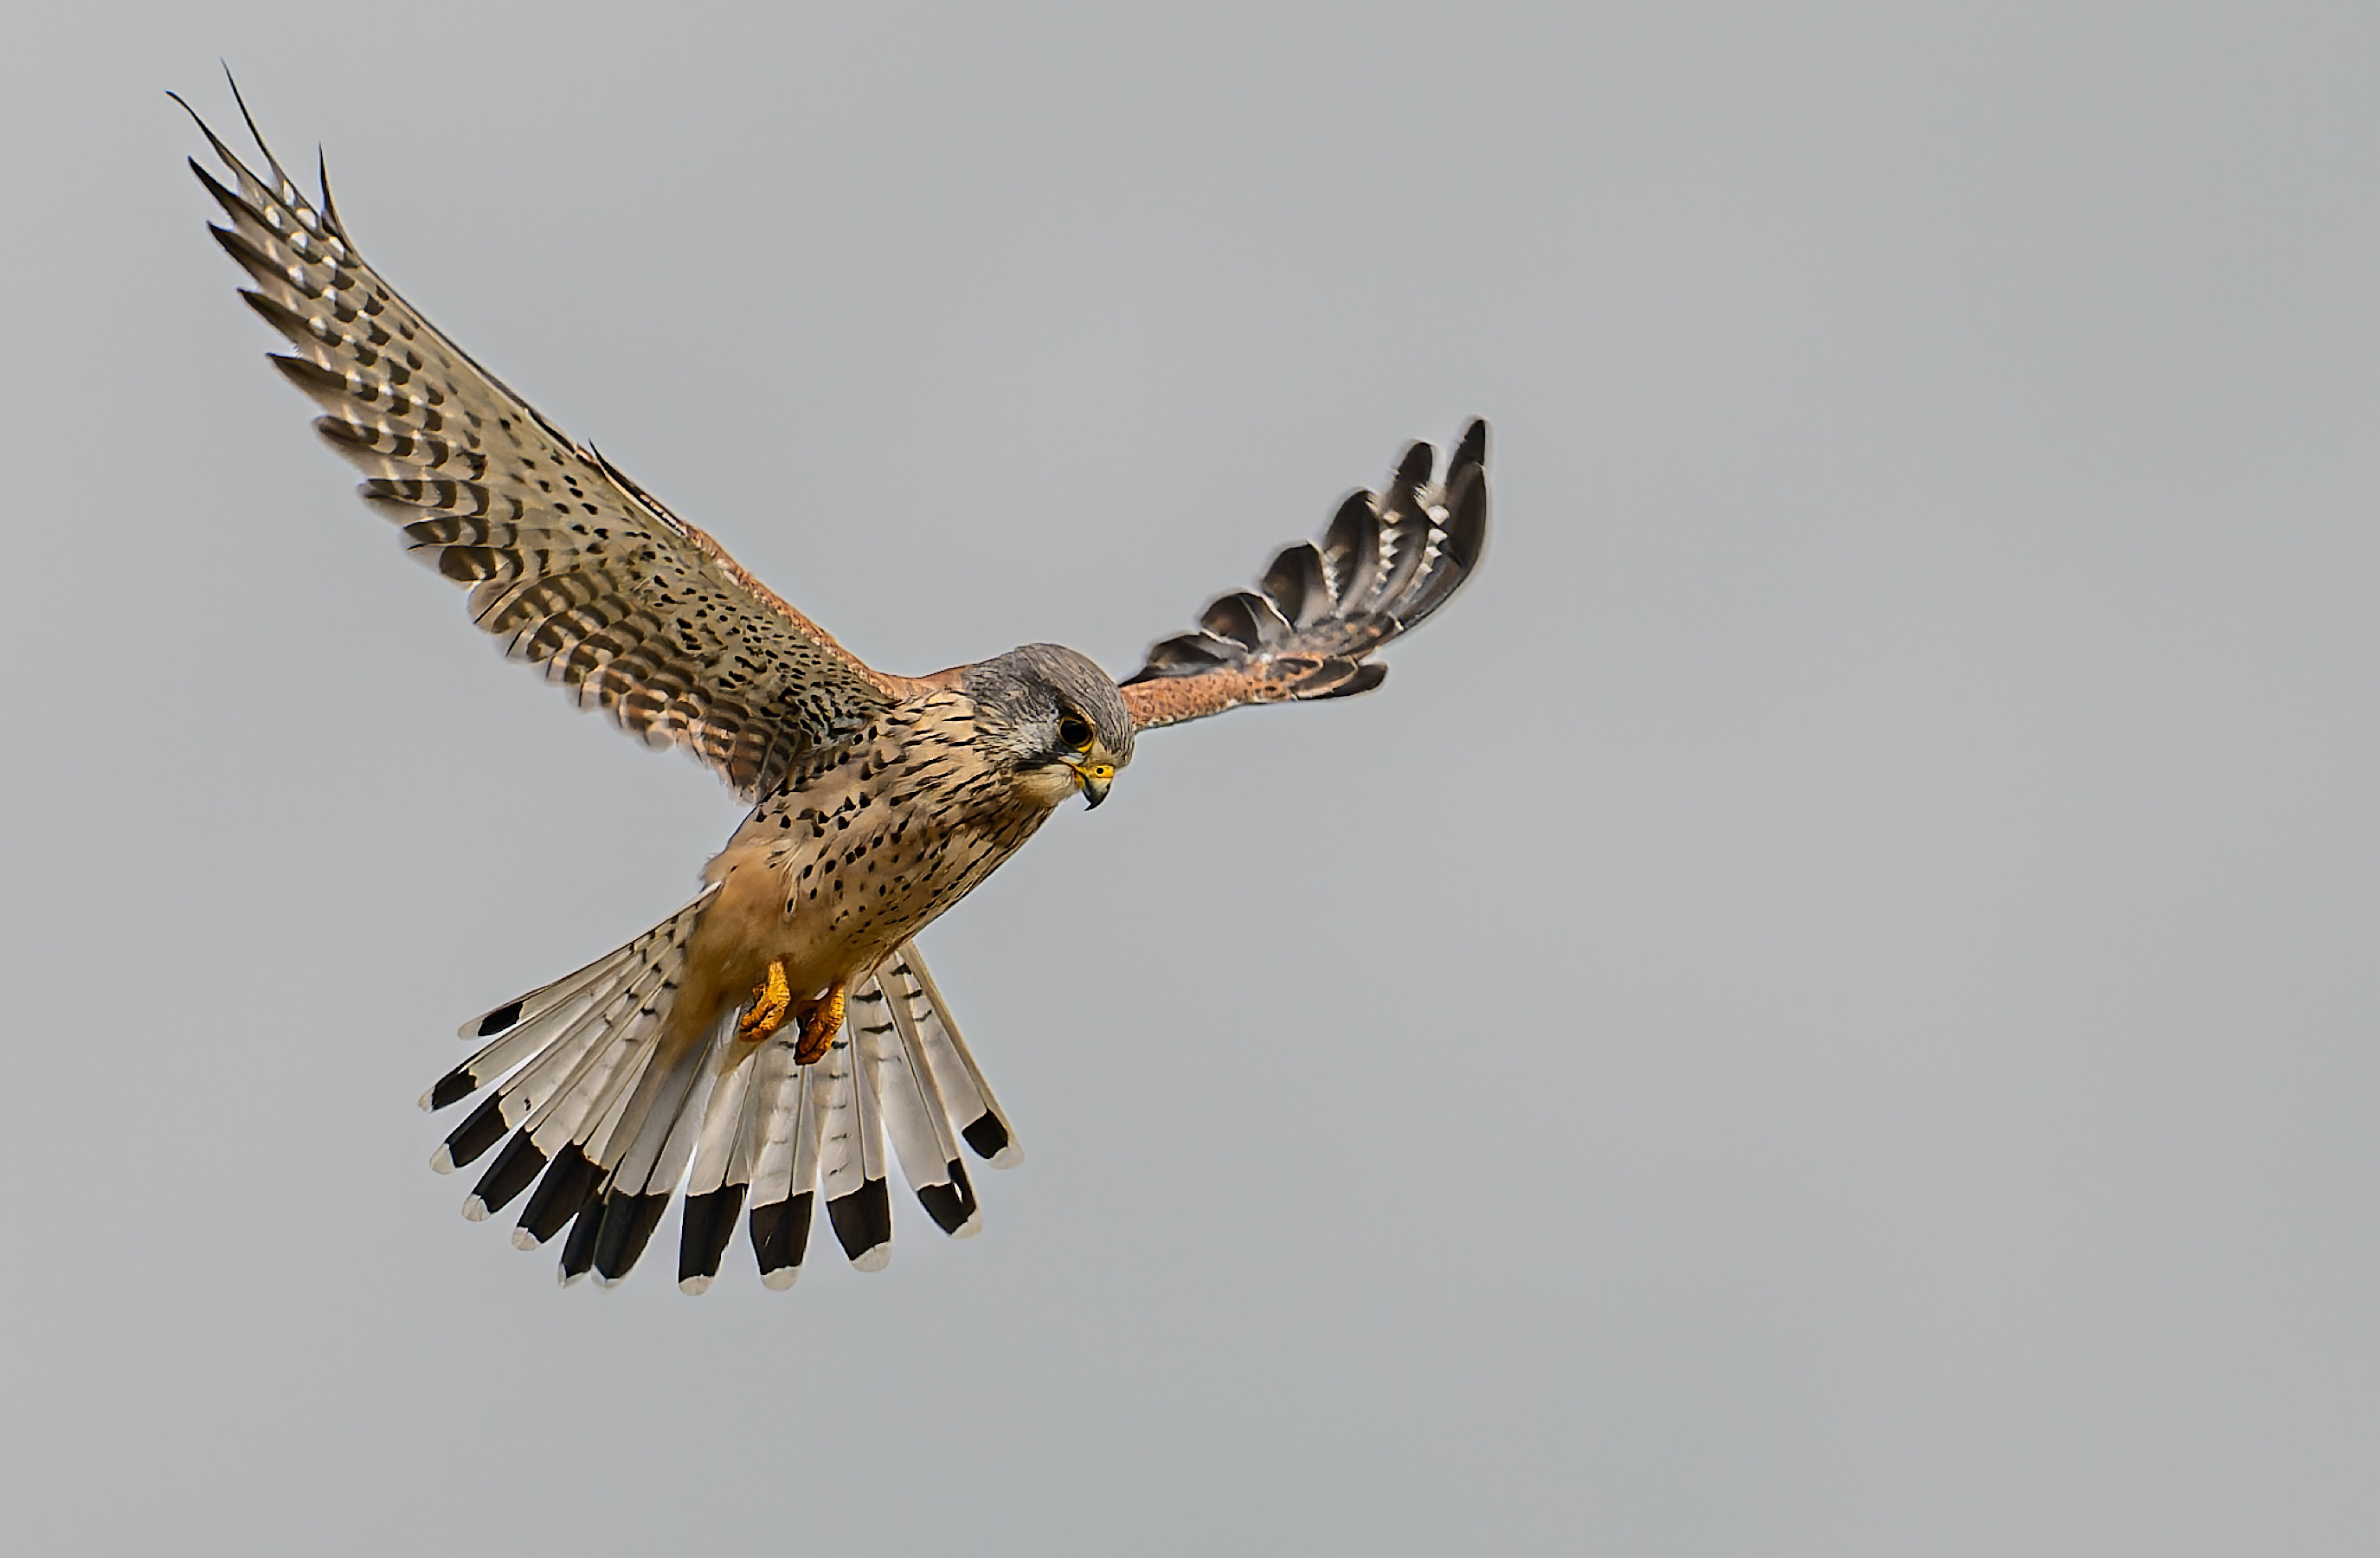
[762,1046]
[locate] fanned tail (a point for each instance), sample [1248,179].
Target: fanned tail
[552,1055]
[608,1117]
[786,1137]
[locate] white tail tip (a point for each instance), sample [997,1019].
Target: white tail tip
[779,1279]
[695,1286]
[969,1228]
[875,1259]
[474,1210]
[443,1161]
[524,1239]
[1008,1157]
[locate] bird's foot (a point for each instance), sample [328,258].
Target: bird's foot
[821,1018]
[772,999]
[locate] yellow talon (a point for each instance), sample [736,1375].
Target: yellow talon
[770,1001]
[819,1019]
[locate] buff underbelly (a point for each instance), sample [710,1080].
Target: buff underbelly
[808,916]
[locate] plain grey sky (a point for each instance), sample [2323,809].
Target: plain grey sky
[1828,1007]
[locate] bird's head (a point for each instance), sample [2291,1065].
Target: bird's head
[1052,720]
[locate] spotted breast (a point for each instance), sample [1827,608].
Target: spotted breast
[856,849]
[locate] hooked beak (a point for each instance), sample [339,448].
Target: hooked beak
[1093,779]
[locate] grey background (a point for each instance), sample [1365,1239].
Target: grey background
[1827,1008]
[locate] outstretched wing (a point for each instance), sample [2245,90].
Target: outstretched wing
[1388,559]
[568,561]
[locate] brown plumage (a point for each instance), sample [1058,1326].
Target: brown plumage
[769,1039]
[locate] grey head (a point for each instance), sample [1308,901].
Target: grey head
[1052,719]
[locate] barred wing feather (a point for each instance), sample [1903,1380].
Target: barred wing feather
[1386,561]
[576,568]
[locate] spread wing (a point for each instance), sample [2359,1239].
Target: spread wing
[576,568]
[1388,559]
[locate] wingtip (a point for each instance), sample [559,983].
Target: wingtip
[1413,465]
[215,141]
[250,119]
[1471,450]
[1370,577]
[323,178]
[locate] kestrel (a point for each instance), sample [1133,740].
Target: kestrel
[762,1043]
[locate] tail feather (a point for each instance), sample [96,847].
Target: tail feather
[544,1079]
[785,1168]
[914,1116]
[851,1158]
[578,1250]
[527,1011]
[601,1123]
[559,1196]
[658,1127]
[521,1026]
[593,1143]
[578,1109]
[552,1095]
[666,1094]
[517,1098]
[926,1025]
[714,1189]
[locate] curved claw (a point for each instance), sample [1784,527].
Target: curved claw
[770,1001]
[820,1020]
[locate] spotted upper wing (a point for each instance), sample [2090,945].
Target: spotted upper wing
[569,562]
[1388,559]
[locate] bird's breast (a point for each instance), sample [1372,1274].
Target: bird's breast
[863,848]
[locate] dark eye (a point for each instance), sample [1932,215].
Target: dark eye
[1074,735]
